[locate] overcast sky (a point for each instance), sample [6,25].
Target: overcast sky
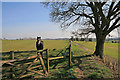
[30,19]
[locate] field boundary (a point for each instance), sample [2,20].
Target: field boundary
[25,66]
[30,66]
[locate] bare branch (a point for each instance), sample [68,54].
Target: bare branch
[110,9]
[117,6]
[68,24]
[102,4]
[115,15]
[97,14]
[85,33]
[113,26]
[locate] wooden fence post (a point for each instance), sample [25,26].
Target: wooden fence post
[70,55]
[42,62]
[12,57]
[12,54]
[47,55]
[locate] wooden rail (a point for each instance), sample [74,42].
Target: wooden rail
[11,63]
[17,60]
[56,58]
[17,52]
[37,58]
[59,57]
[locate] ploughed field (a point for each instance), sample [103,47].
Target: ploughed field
[83,65]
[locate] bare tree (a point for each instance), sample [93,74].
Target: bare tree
[100,18]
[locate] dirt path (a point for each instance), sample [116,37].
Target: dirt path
[83,47]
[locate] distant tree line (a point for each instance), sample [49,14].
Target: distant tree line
[112,40]
[82,39]
[30,38]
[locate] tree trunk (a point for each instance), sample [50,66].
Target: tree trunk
[100,39]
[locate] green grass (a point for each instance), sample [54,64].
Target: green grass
[18,45]
[91,68]
[24,45]
[89,45]
[110,49]
[77,51]
[29,45]
[59,68]
[112,44]
[96,70]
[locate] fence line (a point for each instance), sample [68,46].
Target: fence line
[30,67]
[11,64]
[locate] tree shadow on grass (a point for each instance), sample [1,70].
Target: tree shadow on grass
[61,74]
[78,59]
[64,72]
[65,67]
[56,62]
[83,56]
[60,69]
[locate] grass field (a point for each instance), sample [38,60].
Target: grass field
[83,67]
[30,45]
[24,45]
[110,49]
